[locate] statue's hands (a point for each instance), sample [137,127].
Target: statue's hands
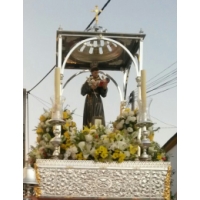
[104,85]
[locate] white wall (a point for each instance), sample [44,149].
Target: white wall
[173,158]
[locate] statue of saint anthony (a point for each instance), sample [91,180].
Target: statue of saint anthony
[94,88]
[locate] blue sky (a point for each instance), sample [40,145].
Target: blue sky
[158,20]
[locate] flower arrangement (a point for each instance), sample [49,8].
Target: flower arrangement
[44,149]
[101,144]
[98,81]
[96,143]
[126,121]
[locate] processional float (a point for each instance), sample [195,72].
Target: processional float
[140,179]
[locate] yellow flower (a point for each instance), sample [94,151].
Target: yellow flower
[68,144]
[66,126]
[159,156]
[66,134]
[151,136]
[39,130]
[38,139]
[104,154]
[97,152]
[63,146]
[115,155]
[65,115]
[42,118]
[135,111]
[86,130]
[127,110]
[102,151]
[133,149]
[111,136]
[101,148]
[121,157]
[73,124]
[79,156]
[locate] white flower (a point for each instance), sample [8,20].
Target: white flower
[113,146]
[104,139]
[129,129]
[46,114]
[127,153]
[131,113]
[127,121]
[151,150]
[81,145]
[88,138]
[132,119]
[74,156]
[50,146]
[68,112]
[85,154]
[121,145]
[135,134]
[47,123]
[92,151]
[118,137]
[42,124]
[67,154]
[88,147]
[42,143]
[124,113]
[109,130]
[120,124]
[92,131]
[73,149]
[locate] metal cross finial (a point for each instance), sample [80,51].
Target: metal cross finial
[96,10]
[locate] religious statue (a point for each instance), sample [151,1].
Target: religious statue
[94,88]
[96,10]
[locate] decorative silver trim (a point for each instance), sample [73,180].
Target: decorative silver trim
[89,179]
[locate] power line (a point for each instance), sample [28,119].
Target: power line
[162,71]
[40,100]
[161,91]
[42,79]
[162,121]
[98,14]
[162,85]
[169,75]
[159,80]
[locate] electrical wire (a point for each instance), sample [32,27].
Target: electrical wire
[98,14]
[162,121]
[162,85]
[42,79]
[159,80]
[40,101]
[169,75]
[160,92]
[162,71]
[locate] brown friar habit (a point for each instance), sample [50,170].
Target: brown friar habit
[93,103]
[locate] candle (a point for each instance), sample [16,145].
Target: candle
[139,151]
[57,85]
[143,89]
[97,122]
